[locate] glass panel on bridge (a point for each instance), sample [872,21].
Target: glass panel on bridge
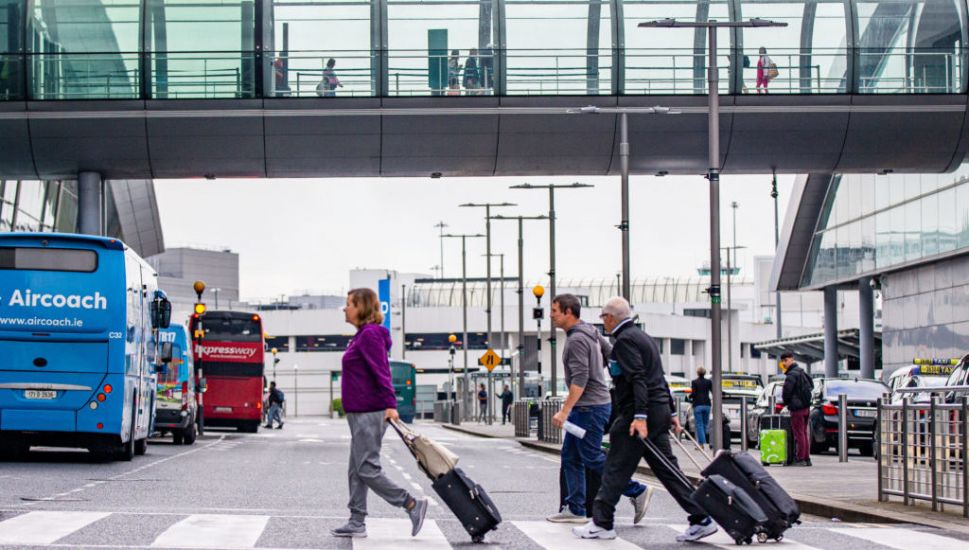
[85,49]
[11,44]
[303,36]
[441,48]
[201,49]
[660,61]
[558,47]
[910,46]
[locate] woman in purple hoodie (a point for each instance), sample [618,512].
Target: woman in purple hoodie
[369,401]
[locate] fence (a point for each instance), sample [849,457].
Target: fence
[923,448]
[547,432]
[521,418]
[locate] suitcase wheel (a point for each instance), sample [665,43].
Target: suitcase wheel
[761,537]
[477,539]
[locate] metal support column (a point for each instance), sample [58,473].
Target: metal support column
[831,332]
[89,203]
[624,193]
[866,327]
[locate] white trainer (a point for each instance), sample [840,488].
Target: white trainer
[592,531]
[697,531]
[566,516]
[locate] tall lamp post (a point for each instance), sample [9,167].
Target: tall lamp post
[440,226]
[551,259]
[713,175]
[465,399]
[777,242]
[487,206]
[451,394]
[626,279]
[521,295]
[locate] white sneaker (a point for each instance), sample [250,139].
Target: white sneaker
[641,503]
[697,532]
[592,531]
[566,516]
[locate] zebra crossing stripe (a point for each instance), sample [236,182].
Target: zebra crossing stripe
[903,539]
[391,534]
[213,531]
[45,527]
[559,535]
[721,539]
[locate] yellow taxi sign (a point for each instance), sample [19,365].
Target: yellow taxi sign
[490,360]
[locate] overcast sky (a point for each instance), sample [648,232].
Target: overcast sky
[304,235]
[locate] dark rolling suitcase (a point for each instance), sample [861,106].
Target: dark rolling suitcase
[744,471]
[731,507]
[469,502]
[780,422]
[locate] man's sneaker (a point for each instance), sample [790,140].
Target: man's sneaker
[641,503]
[268,426]
[417,514]
[350,530]
[592,531]
[697,531]
[566,516]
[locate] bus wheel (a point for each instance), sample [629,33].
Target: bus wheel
[177,437]
[126,452]
[249,427]
[141,446]
[189,435]
[14,450]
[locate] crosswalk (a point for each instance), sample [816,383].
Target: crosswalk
[70,529]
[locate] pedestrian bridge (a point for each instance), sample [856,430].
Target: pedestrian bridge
[245,88]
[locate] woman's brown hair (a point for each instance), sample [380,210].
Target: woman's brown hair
[368,306]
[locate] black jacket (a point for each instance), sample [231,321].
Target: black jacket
[641,384]
[797,389]
[700,390]
[276,397]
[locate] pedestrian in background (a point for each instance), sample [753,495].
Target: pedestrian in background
[454,73]
[369,402]
[588,406]
[506,400]
[482,403]
[645,411]
[700,390]
[472,77]
[327,88]
[796,394]
[276,400]
[766,70]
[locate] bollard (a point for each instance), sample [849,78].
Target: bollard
[933,462]
[743,424]
[842,428]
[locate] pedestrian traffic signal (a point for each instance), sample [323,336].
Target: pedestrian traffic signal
[200,308]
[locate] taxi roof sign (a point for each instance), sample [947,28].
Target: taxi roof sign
[489,360]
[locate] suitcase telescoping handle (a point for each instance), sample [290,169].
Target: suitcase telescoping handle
[651,447]
[687,451]
[695,444]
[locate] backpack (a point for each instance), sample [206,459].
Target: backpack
[805,386]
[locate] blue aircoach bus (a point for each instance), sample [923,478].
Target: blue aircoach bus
[78,353]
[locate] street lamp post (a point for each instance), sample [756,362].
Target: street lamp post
[623,112]
[487,206]
[713,175]
[216,291]
[295,390]
[451,394]
[440,226]
[521,295]
[731,262]
[777,242]
[551,259]
[465,399]
[199,335]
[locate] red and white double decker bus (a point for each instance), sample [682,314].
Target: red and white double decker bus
[230,359]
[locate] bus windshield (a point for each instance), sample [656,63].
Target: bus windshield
[232,329]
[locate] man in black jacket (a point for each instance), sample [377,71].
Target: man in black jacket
[276,399]
[797,398]
[643,403]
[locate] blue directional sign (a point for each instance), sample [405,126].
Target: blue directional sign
[383,293]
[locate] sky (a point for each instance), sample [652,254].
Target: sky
[299,236]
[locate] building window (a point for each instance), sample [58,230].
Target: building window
[327,342]
[281,343]
[436,341]
[677,346]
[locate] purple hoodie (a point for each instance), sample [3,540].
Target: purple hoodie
[366,383]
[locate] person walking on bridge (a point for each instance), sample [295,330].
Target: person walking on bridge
[369,402]
[643,399]
[589,407]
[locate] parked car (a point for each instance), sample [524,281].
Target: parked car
[918,376]
[760,408]
[734,387]
[863,398]
[958,377]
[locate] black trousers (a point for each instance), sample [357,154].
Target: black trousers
[505,412]
[624,454]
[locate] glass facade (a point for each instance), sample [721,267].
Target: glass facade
[189,49]
[32,205]
[870,224]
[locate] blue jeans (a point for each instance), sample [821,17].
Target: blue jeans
[579,454]
[275,413]
[701,417]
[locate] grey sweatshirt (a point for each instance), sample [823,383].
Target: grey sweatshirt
[584,358]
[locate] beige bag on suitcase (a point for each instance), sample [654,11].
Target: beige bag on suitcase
[432,457]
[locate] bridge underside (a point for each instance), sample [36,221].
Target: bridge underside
[476,136]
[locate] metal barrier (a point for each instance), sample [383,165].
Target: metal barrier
[442,412]
[923,449]
[521,417]
[548,433]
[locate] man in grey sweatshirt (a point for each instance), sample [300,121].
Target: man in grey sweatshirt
[589,407]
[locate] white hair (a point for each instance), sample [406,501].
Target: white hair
[618,307]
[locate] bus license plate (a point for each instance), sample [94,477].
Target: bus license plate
[223,409]
[40,394]
[865,413]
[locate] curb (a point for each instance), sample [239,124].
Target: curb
[843,511]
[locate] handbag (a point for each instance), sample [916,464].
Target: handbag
[772,71]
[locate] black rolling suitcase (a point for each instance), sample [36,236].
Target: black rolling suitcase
[745,472]
[730,506]
[469,502]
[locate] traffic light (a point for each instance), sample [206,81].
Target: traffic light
[200,308]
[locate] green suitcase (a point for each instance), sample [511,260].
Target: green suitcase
[773,447]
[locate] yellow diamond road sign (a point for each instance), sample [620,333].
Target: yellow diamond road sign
[490,360]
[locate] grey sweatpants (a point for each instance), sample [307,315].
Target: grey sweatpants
[366,433]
